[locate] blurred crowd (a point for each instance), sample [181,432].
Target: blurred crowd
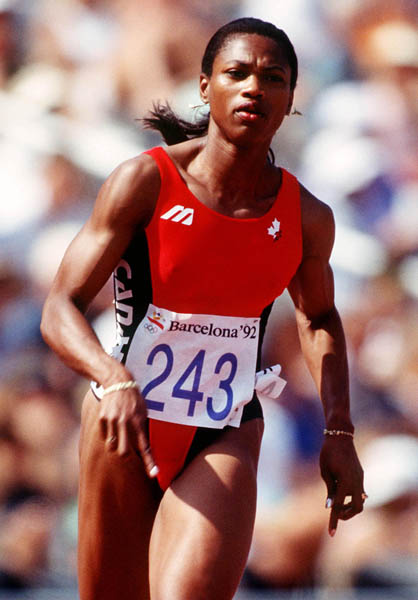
[75,77]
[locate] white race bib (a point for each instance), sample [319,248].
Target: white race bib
[195,369]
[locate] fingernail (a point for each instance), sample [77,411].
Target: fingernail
[328,503]
[332,532]
[154,471]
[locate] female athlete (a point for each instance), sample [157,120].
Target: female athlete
[201,238]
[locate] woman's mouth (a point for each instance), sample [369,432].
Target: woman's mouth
[249,113]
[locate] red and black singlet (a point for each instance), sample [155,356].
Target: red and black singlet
[191,259]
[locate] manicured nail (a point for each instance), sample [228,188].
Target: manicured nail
[332,532]
[154,471]
[328,503]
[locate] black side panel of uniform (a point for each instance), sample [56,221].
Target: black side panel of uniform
[137,257]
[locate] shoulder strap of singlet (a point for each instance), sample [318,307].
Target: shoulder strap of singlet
[291,186]
[289,181]
[165,165]
[290,191]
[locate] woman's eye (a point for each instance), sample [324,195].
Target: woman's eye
[274,77]
[236,73]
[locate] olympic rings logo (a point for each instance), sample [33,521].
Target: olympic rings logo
[150,328]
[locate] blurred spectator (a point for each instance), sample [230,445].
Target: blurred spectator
[77,38]
[24,541]
[172,37]
[10,47]
[38,484]
[16,309]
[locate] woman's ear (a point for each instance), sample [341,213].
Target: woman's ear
[289,106]
[204,88]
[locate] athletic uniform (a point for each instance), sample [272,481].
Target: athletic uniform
[192,294]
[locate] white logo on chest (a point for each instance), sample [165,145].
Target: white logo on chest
[274,230]
[179,214]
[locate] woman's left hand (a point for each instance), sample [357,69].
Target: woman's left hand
[343,476]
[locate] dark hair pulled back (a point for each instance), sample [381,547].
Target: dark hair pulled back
[175,129]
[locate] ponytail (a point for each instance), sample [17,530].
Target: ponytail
[173,128]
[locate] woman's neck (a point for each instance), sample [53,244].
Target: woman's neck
[230,172]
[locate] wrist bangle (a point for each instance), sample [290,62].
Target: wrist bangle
[338,432]
[119,387]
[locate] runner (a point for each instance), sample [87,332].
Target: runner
[201,237]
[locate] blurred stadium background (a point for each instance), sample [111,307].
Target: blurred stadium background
[74,77]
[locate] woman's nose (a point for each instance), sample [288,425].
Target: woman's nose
[252,87]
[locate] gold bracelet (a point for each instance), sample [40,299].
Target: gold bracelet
[337,432]
[119,387]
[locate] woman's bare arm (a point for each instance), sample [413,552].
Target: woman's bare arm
[323,345]
[124,204]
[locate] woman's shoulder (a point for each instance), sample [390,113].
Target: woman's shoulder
[318,224]
[136,177]
[136,171]
[314,210]
[131,191]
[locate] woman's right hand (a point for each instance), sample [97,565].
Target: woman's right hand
[123,426]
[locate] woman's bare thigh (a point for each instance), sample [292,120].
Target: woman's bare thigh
[203,529]
[117,507]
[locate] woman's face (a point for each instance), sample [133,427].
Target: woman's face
[249,89]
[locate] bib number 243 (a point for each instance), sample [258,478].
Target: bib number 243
[188,384]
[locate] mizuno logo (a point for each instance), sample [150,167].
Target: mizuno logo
[179,214]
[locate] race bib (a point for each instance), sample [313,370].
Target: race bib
[195,369]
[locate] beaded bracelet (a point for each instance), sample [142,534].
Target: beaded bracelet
[337,432]
[119,387]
